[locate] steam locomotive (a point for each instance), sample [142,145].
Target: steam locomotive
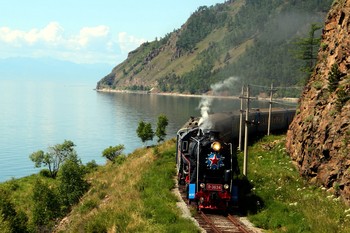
[206,158]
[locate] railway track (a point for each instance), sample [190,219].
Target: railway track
[217,222]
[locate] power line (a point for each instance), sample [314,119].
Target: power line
[284,103]
[280,87]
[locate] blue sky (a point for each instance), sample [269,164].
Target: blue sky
[89,31]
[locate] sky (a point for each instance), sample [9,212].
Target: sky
[89,31]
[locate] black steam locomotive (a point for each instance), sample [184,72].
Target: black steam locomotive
[206,166]
[206,158]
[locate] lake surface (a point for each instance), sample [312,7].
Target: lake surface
[38,114]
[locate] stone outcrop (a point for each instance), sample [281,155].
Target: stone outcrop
[318,139]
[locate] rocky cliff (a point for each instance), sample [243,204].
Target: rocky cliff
[318,139]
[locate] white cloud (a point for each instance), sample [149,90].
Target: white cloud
[128,42]
[87,34]
[90,44]
[50,34]
[9,36]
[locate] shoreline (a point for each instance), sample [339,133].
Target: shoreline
[108,90]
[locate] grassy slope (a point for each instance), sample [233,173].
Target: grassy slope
[136,195]
[290,204]
[132,197]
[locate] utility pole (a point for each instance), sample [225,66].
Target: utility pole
[241,121]
[245,161]
[270,110]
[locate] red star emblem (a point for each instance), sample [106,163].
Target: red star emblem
[214,160]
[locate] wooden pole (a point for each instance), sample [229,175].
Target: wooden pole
[241,122]
[270,110]
[245,161]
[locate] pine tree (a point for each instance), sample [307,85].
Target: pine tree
[307,49]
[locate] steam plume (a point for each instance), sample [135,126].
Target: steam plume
[206,101]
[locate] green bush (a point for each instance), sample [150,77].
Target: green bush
[72,184]
[10,219]
[334,78]
[12,184]
[91,166]
[45,173]
[46,205]
[112,152]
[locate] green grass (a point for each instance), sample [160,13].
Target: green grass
[289,203]
[159,201]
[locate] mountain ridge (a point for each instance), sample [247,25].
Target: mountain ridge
[218,42]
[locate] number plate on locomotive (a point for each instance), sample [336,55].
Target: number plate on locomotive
[214,187]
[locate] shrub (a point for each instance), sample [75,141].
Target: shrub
[333,78]
[317,85]
[72,183]
[46,205]
[10,219]
[343,97]
[12,184]
[112,152]
[45,173]
[91,166]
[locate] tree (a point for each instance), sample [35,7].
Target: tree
[161,127]
[144,131]
[112,152]
[55,156]
[308,48]
[72,184]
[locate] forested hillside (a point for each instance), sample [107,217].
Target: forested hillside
[255,41]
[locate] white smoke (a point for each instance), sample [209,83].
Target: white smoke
[204,105]
[224,85]
[206,101]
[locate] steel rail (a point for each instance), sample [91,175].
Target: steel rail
[211,224]
[238,224]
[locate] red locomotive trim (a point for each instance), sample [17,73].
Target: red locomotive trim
[205,201]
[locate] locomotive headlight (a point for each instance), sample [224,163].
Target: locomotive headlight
[216,146]
[226,186]
[202,185]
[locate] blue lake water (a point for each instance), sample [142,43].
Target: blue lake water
[38,114]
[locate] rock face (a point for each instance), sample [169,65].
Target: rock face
[318,139]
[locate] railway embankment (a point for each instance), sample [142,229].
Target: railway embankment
[136,195]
